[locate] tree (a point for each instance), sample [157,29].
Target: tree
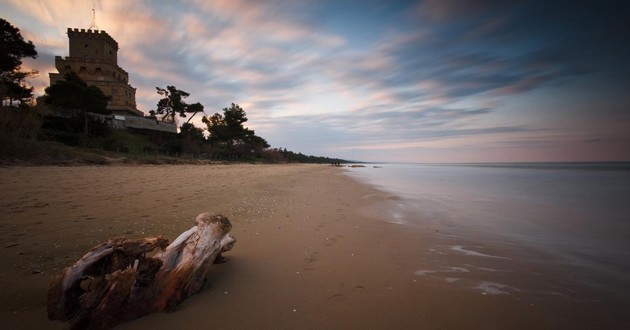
[73,93]
[192,138]
[172,103]
[256,144]
[13,86]
[13,49]
[217,129]
[194,109]
[227,130]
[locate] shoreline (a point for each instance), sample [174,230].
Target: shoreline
[310,252]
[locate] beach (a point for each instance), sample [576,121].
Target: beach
[312,251]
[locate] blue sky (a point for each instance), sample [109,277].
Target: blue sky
[412,81]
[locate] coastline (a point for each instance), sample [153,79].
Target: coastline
[311,251]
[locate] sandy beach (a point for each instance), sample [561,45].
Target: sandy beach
[313,252]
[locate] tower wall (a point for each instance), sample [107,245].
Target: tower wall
[93,44]
[94,58]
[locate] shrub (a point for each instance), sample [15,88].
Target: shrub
[19,124]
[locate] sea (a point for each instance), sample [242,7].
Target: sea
[576,215]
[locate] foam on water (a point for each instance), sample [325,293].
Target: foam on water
[461,249]
[493,288]
[423,272]
[574,215]
[494,270]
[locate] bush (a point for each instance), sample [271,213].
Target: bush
[65,137]
[19,124]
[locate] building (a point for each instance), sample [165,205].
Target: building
[94,57]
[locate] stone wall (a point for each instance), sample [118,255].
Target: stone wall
[93,57]
[124,122]
[93,44]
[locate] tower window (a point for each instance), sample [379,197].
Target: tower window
[114,91]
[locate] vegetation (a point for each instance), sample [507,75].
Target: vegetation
[74,94]
[173,103]
[18,124]
[75,128]
[13,49]
[284,155]
[229,137]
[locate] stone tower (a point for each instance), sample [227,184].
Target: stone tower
[94,57]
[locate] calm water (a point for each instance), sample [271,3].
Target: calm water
[576,213]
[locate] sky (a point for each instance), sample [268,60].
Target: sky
[394,81]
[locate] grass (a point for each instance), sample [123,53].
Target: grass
[33,153]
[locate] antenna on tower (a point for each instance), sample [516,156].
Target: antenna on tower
[93,26]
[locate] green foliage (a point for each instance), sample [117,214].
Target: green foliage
[14,88]
[217,129]
[192,139]
[194,109]
[284,155]
[18,124]
[173,103]
[68,130]
[48,153]
[230,136]
[129,142]
[74,94]
[13,49]
[99,127]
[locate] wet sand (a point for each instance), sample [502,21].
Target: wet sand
[313,252]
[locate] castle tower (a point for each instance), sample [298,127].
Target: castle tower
[94,57]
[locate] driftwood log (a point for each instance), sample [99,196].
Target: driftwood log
[117,282]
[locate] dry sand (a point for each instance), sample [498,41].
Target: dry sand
[312,251]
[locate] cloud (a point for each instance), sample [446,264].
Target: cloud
[422,74]
[448,10]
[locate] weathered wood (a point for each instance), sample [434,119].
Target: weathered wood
[116,282]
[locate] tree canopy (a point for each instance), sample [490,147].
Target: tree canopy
[13,49]
[227,131]
[173,103]
[194,109]
[74,94]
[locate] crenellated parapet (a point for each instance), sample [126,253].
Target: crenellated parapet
[91,45]
[93,57]
[92,34]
